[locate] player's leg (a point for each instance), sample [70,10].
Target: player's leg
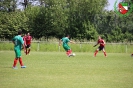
[70,51]
[104,52]
[96,51]
[26,50]
[15,62]
[21,63]
[25,47]
[20,59]
[16,58]
[67,49]
[29,50]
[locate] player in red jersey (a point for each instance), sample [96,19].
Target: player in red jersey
[101,46]
[28,43]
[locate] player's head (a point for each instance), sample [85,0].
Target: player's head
[99,37]
[28,34]
[19,32]
[68,36]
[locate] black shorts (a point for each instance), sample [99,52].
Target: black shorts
[101,48]
[28,46]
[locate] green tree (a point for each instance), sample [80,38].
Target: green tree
[7,5]
[11,22]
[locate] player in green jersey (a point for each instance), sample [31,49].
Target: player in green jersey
[67,48]
[18,45]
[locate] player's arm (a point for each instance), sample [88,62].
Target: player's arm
[103,42]
[72,42]
[96,44]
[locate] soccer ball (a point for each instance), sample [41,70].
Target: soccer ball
[74,54]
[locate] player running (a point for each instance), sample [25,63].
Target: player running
[18,45]
[66,47]
[101,47]
[28,43]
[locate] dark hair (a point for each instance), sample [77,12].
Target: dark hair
[67,35]
[19,32]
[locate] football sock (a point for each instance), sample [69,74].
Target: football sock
[70,51]
[67,53]
[29,51]
[15,62]
[95,52]
[104,53]
[26,51]
[20,61]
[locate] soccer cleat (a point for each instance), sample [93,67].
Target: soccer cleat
[71,55]
[23,66]
[14,67]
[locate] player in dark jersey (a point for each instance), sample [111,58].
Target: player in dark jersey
[28,43]
[101,44]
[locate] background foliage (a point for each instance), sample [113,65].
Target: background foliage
[82,19]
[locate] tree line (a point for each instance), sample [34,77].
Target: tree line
[81,19]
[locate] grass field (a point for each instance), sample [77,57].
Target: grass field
[55,70]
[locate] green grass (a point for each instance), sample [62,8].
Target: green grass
[55,70]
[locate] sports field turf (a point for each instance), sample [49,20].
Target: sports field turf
[55,70]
